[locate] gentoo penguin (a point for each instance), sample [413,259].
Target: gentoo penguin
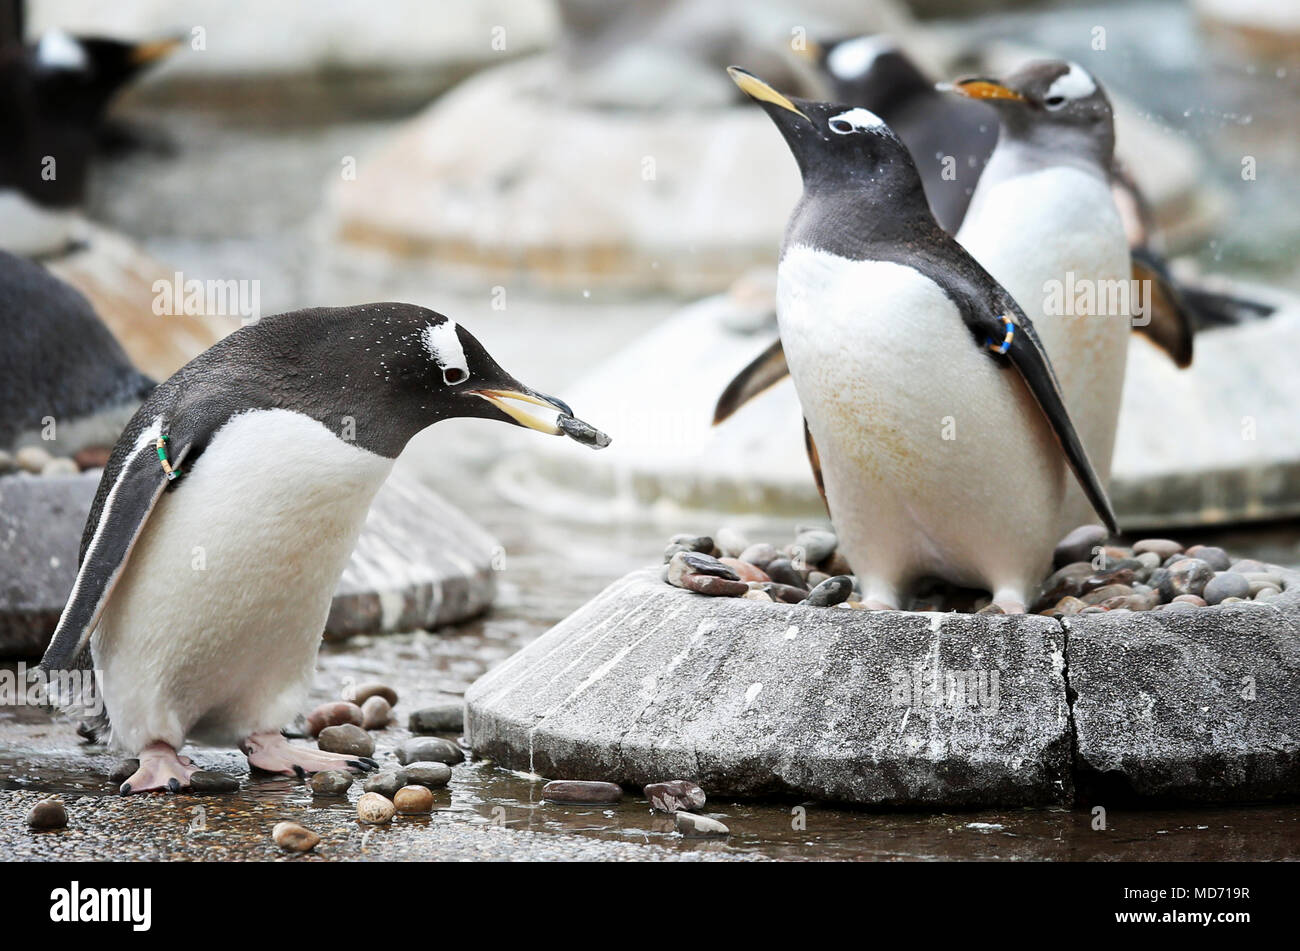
[65,382]
[941,432]
[1044,223]
[228,511]
[950,139]
[53,97]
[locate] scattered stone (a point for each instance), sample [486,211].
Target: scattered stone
[817,545]
[430,775]
[386,782]
[1246,565]
[581,791]
[1262,579]
[1105,593]
[1067,606]
[713,586]
[1149,561]
[785,593]
[207,781]
[375,809]
[376,713]
[1065,581]
[745,571]
[60,467]
[1164,547]
[1079,545]
[731,542]
[693,826]
[32,459]
[47,814]
[346,738]
[7,462]
[331,782]
[294,838]
[1116,575]
[760,555]
[413,801]
[783,571]
[1226,584]
[92,457]
[686,563]
[1185,576]
[699,543]
[831,591]
[1191,599]
[430,749]
[757,594]
[446,717]
[1213,556]
[334,714]
[675,796]
[364,692]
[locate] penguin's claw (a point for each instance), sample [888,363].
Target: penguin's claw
[161,770]
[272,753]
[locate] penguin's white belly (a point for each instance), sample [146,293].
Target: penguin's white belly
[27,228]
[1053,238]
[213,629]
[936,460]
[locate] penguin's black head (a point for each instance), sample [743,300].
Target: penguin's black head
[835,145]
[393,369]
[872,71]
[75,77]
[1051,105]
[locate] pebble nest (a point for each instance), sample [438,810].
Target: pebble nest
[1090,575]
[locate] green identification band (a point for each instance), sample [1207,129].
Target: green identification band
[161,447]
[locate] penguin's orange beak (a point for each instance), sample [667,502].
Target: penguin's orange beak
[145,53]
[755,88]
[982,89]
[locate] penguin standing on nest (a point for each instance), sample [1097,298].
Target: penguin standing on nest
[931,407]
[262,456]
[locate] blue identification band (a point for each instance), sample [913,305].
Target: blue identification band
[1005,345]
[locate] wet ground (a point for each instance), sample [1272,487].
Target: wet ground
[217,196]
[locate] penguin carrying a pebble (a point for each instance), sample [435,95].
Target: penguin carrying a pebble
[228,511]
[932,410]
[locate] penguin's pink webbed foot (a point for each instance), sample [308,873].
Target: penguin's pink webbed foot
[161,770]
[272,753]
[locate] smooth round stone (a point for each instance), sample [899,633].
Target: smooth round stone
[694,563]
[758,594]
[1065,581]
[376,713]
[1093,609]
[731,542]
[386,782]
[1079,545]
[1191,599]
[1261,578]
[1233,601]
[714,587]
[760,555]
[331,782]
[1177,606]
[1164,547]
[830,592]
[60,467]
[1113,555]
[1248,565]
[1186,576]
[375,809]
[48,814]
[785,593]
[294,838]
[1115,576]
[693,826]
[446,717]
[7,463]
[207,781]
[1129,602]
[745,570]
[430,749]
[1226,584]
[1212,555]
[413,801]
[1067,606]
[783,571]
[1105,593]
[1266,593]
[817,577]
[363,692]
[1149,562]
[32,459]
[430,775]
[334,714]
[585,792]
[1173,559]
[817,545]
[347,738]
[676,795]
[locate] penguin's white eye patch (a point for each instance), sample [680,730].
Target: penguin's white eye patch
[58,50]
[442,343]
[855,120]
[1074,84]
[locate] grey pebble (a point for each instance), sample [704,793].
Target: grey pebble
[206,781]
[760,555]
[1226,584]
[430,775]
[1185,576]
[430,749]
[817,545]
[332,782]
[32,459]
[691,825]
[346,738]
[1164,547]
[1079,545]
[676,795]
[386,782]
[446,717]
[830,592]
[581,791]
[1212,555]
[730,542]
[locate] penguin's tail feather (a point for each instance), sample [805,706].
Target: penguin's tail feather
[76,692]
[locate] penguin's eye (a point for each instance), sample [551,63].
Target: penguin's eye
[841,126]
[1054,102]
[453,375]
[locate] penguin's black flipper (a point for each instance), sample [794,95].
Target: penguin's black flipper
[1169,321]
[765,370]
[138,483]
[815,461]
[1025,352]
